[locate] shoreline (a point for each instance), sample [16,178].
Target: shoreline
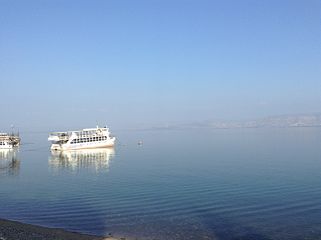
[21,231]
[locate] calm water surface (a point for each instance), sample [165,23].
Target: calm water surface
[184,184]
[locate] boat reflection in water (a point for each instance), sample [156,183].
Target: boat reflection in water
[75,160]
[9,163]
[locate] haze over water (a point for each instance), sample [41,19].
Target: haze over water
[180,184]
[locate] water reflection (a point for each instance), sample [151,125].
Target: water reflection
[9,163]
[75,160]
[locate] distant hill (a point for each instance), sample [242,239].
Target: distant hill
[306,120]
[299,120]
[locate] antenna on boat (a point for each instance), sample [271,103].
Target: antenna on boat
[12,127]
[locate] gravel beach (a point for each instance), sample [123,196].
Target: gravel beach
[12,230]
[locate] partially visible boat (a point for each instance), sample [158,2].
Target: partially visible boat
[83,139]
[9,141]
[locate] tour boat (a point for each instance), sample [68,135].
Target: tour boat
[82,139]
[9,141]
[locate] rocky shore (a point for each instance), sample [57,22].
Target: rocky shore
[12,230]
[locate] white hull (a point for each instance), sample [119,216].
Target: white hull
[6,146]
[88,145]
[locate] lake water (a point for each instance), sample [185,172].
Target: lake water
[180,184]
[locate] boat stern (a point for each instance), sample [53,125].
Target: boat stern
[55,147]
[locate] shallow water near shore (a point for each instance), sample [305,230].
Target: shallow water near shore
[179,184]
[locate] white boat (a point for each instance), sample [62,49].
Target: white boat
[9,141]
[83,139]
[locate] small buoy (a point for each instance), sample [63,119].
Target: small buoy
[140,143]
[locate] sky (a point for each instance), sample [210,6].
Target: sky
[126,64]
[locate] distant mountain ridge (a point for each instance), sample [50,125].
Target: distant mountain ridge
[303,120]
[298,120]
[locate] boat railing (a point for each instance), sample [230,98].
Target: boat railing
[79,134]
[9,137]
[60,135]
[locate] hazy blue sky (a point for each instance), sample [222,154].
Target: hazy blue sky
[131,63]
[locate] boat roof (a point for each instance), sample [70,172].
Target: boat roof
[77,131]
[8,135]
